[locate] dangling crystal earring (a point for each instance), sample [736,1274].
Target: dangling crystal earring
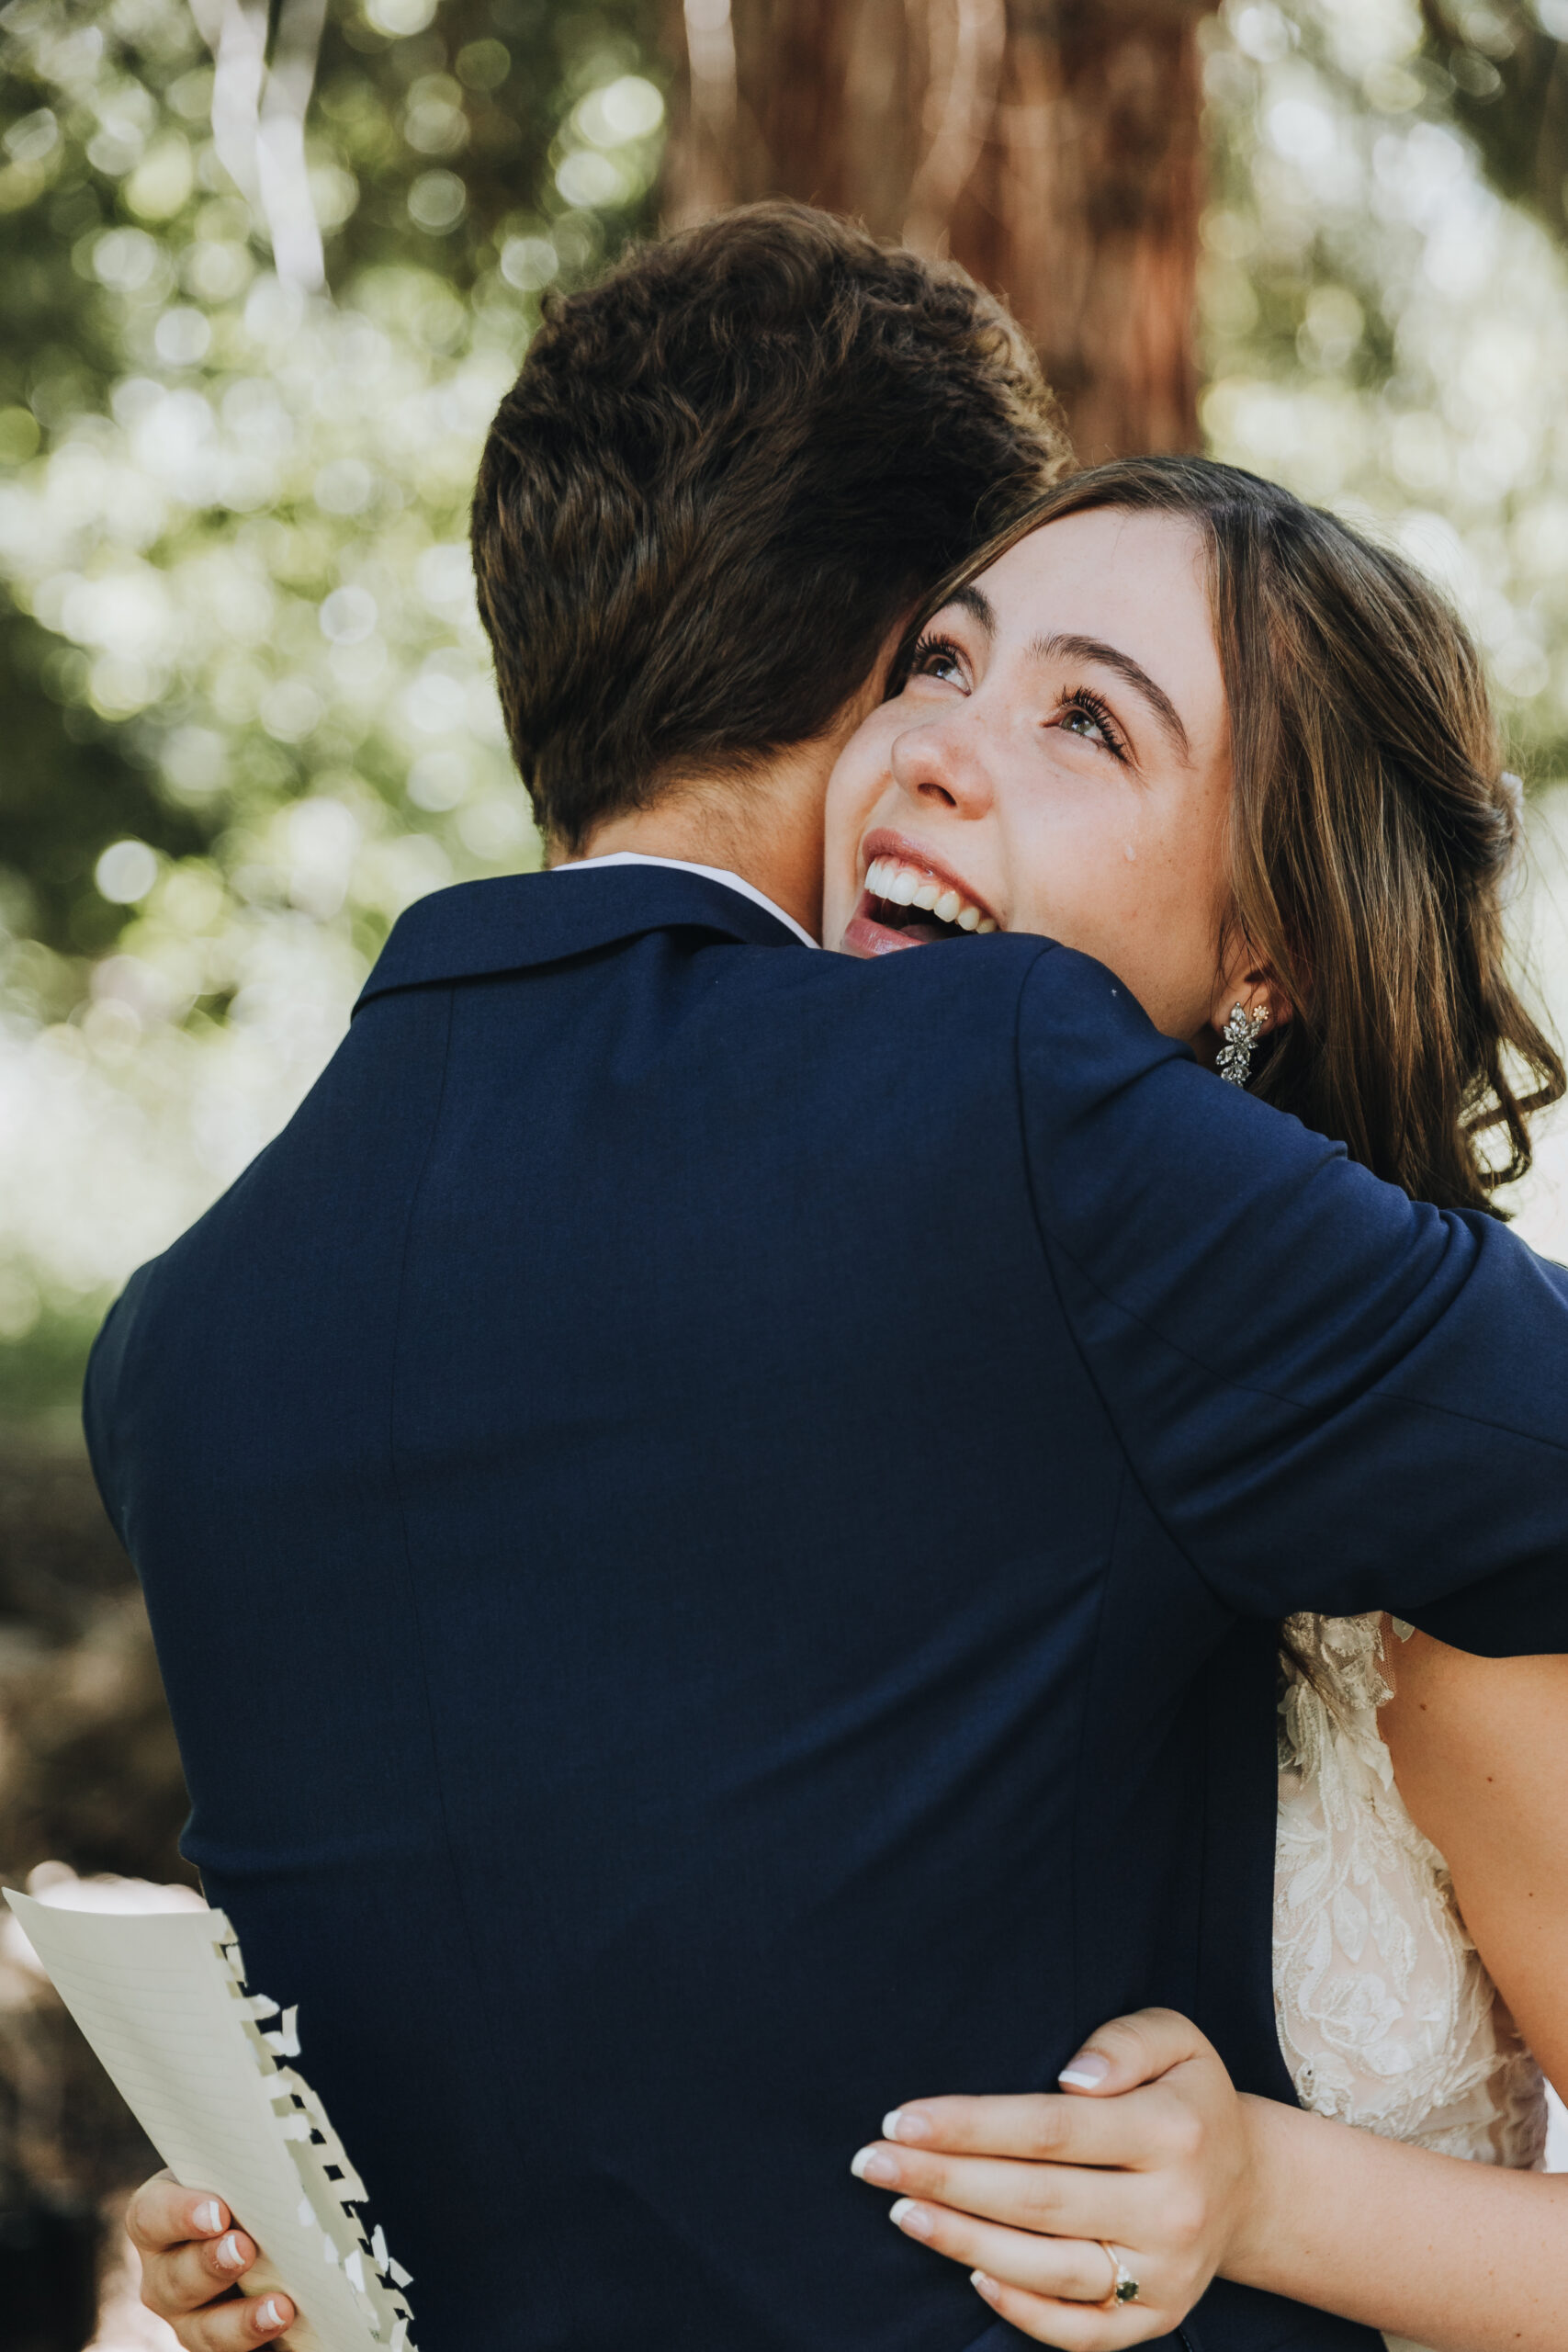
[1242,1032]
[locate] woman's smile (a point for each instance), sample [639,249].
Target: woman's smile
[910,898]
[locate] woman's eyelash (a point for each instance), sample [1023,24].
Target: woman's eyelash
[928,648]
[1084,699]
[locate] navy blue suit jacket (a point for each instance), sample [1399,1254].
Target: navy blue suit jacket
[715,1519]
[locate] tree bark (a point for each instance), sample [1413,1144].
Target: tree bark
[1053,147]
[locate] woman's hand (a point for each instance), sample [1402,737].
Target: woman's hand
[1149,2152]
[192,2262]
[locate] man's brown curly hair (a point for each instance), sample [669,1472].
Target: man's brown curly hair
[721,477]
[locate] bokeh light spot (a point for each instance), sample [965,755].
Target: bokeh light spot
[348,616]
[592,180]
[125,259]
[400,18]
[182,337]
[32,137]
[437,201]
[529,263]
[628,108]
[484,65]
[126,872]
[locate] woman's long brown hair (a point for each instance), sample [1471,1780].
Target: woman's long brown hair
[1372,830]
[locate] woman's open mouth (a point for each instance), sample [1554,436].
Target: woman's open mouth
[907,901]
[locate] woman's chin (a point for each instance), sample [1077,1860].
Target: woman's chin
[865,938]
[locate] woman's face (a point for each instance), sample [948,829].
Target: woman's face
[1058,763]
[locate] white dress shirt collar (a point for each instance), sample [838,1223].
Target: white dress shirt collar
[688,866]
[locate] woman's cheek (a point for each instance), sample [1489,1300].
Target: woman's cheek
[1064,886]
[859,779]
[864,765]
[1088,895]
[847,812]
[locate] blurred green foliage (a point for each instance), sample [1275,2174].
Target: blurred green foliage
[1504,70]
[130,271]
[1385,330]
[248,703]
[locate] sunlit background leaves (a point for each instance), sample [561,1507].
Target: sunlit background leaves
[1387,331]
[249,714]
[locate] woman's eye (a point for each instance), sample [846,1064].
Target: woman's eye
[935,660]
[1083,715]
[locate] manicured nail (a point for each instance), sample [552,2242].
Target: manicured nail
[912,2219]
[1086,2073]
[269,2314]
[871,2165]
[208,2219]
[983,2285]
[907,2124]
[231,2254]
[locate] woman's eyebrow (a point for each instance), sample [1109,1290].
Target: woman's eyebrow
[974,602]
[1110,657]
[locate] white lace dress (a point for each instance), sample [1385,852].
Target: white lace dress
[1387,2017]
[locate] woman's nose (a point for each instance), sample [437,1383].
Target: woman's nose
[939,762]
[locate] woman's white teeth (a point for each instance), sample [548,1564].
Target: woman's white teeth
[906,885]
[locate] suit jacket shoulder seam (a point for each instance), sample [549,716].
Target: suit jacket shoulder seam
[1283,1396]
[1122,1447]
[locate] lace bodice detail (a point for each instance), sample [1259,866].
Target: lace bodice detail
[1387,2017]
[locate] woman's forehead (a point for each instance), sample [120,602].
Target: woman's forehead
[1138,581]
[1132,555]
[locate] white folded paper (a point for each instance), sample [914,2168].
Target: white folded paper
[161,1999]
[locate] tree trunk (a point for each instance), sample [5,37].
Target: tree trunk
[1052,146]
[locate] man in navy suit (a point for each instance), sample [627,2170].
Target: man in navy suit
[715,1515]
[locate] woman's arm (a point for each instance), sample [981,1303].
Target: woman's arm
[1480,1749]
[1465,2258]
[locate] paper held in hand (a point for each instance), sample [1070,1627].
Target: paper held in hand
[161,1999]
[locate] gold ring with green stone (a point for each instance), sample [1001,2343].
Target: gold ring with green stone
[1123,2286]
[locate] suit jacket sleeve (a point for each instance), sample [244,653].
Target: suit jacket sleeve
[105,1403]
[1335,1398]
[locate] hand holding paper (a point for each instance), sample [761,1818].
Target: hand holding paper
[163,2001]
[192,2260]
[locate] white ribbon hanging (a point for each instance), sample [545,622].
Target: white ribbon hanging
[710,50]
[258,119]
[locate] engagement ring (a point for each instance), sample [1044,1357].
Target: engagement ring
[1123,2286]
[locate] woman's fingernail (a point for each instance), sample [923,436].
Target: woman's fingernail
[1087,2071]
[871,2163]
[912,2219]
[208,2218]
[231,2254]
[983,2285]
[269,2314]
[907,2124]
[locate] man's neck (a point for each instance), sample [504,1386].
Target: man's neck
[766,827]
